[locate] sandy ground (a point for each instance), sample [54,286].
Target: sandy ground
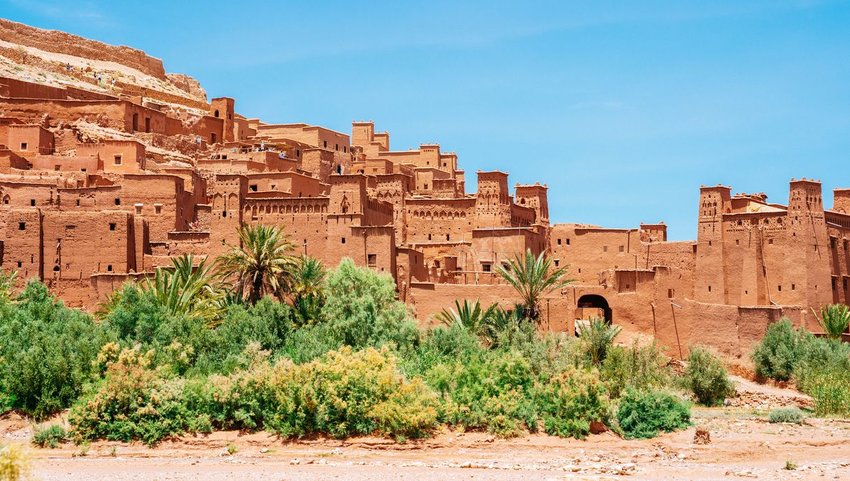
[743,446]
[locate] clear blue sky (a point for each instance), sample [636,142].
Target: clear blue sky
[622,108]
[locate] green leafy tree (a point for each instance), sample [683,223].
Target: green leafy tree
[362,309]
[533,277]
[262,265]
[187,291]
[834,320]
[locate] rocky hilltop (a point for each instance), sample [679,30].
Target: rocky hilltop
[61,59]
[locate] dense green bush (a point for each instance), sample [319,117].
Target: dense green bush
[786,415]
[362,309]
[571,402]
[818,366]
[829,386]
[267,323]
[637,367]
[776,355]
[49,436]
[490,391]
[133,401]
[46,352]
[706,377]
[643,414]
[342,394]
[346,393]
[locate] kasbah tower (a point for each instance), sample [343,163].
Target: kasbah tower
[110,167]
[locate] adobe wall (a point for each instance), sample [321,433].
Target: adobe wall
[62,163]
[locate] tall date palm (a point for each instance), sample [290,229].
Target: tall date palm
[262,265]
[533,277]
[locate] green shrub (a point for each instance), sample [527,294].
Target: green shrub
[489,391]
[830,389]
[570,402]
[14,463]
[637,367]
[706,377]
[776,355]
[441,345]
[817,355]
[346,393]
[49,436]
[132,402]
[786,415]
[362,309]
[267,323]
[46,352]
[643,414]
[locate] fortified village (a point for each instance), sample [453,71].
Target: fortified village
[109,167]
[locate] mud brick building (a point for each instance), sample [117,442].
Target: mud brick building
[109,167]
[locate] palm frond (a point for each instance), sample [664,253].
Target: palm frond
[533,277]
[262,265]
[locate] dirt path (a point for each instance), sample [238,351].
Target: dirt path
[743,446]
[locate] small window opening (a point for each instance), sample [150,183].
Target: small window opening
[24,146]
[559,241]
[112,226]
[109,267]
[486,267]
[342,240]
[118,201]
[32,202]
[22,226]
[372,259]
[117,159]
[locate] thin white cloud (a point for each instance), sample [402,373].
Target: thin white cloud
[77,11]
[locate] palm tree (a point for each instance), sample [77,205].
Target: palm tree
[308,282]
[473,318]
[533,277]
[834,320]
[186,290]
[262,265]
[598,337]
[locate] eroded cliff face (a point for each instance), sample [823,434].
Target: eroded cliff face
[62,59]
[65,43]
